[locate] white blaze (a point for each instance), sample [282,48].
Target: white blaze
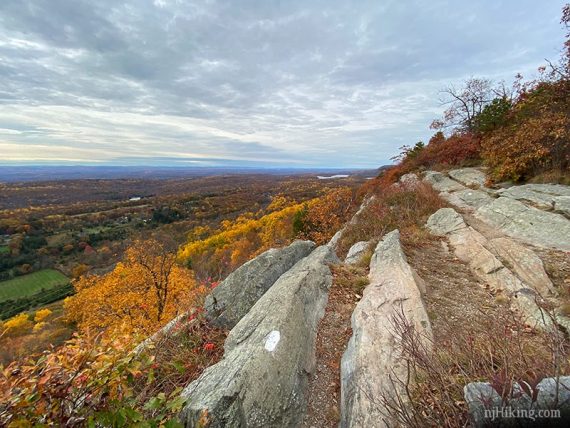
[272,340]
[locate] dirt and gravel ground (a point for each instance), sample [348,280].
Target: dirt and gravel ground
[334,332]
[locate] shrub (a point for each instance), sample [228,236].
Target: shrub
[17,324]
[404,207]
[501,350]
[42,314]
[536,137]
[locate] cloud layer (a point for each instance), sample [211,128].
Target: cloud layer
[277,83]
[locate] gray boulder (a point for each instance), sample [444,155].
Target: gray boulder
[371,367]
[410,180]
[262,379]
[529,224]
[235,296]
[441,182]
[488,409]
[357,252]
[469,176]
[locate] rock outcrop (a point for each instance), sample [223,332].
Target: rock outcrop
[471,177]
[529,224]
[471,247]
[371,365]
[261,380]
[410,180]
[562,205]
[231,300]
[442,183]
[468,200]
[357,252]
[542,196]
[524,263]
[488,409]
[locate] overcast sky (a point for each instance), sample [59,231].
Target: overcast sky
[277,83]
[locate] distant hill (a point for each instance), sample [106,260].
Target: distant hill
[12,173]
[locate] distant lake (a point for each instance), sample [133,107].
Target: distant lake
[321,177]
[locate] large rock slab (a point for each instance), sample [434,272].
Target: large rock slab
[441,182]
[371,363]
[529,224]
[467,199]
[234,297]
[488,409]
[471,247]
[469,176]
[357,252]
[542,196]
[524,263]
[262,379]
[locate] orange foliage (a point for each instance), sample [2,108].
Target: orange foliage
[141,294]
[536,137]
[323,217]
[238,241]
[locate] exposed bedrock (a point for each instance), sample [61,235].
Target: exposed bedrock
[528,224]
[232,299]
[262,379]
[372,364]
[479,254]
[357,252]
[469,176]
[489,409]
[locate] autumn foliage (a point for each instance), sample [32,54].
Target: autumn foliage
[535,137]
[235,242]
[143,292]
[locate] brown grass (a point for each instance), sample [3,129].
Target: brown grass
[501,350]
[403,207]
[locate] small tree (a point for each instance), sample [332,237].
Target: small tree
[464,103]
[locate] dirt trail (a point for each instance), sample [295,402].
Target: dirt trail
[323,409]
[455,297]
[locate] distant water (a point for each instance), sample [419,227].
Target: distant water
[322,177]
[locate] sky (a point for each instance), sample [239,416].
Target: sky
[251,83]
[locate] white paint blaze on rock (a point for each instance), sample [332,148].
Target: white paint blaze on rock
[272,340]
[263,377]
[371,359]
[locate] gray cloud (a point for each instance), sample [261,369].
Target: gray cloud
[323,83]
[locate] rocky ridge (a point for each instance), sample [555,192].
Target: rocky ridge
[274,304]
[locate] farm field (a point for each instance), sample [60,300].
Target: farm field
[28,285]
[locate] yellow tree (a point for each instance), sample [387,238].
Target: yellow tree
[142,293]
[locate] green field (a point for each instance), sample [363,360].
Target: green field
[4,249]
[33,283]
